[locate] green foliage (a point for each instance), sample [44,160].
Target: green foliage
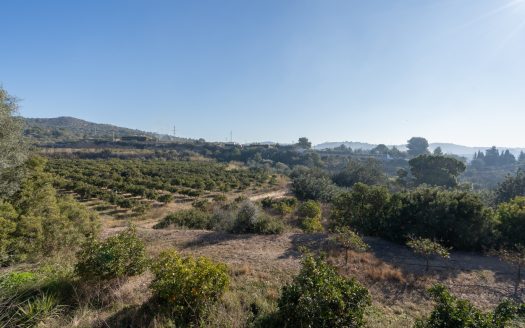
[417,146]
[188,285]
[319,297]
[37,221]
[165,198]
[191,219]
[511,218]
[35,310]
[458,218]
[427,248]
[368,172]
[311,225]
[511,187]
[16,280]
[250,220]
[109,180]
[436,170]
[309,209]
[365,208]
[282,206]
[28,299]
[350,240]
[309,213]
[13,149]
[450,311]
[313,184]
[304,143]
[118,256]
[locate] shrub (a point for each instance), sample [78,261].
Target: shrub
[250,220]
[319,297]
[246,218]
[311,225]
[282,206]
[511,187]
[191,219]
[223,220]
[268,225]
[313,184]
[365,208]
[118,256]
[165,198]
[453,312]
[188,285]
[309,209]
[427,248]
[511,218]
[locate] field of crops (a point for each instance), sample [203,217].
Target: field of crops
[127,182]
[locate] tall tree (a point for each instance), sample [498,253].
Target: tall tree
[436,170]
[13,150]
[304,143]
[417,146]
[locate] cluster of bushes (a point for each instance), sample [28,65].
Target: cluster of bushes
[282,206]
[235,218]
[184,287]
[459,219]
[37,221]
[450,311]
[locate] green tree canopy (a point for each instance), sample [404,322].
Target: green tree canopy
[417,146]
[13,150]
[436,170]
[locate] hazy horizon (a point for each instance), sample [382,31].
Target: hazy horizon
[376,72]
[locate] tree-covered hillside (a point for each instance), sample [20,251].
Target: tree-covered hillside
[46,130]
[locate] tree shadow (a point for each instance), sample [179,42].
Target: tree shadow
[143,315]
[215,237]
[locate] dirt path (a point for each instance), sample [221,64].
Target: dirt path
[271,194]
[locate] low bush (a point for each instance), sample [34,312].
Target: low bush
[188,285]
[116,257]
[320,297]
[309,209]
[311,225]
[190,219]
[268,225]
[450,311]
[250,220]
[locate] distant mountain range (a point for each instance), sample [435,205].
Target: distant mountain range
[448,148]
[72,129]
[48,130]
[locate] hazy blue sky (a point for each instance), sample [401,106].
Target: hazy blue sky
[367,70]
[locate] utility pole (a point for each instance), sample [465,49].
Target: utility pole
[174,131]
[231,136]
